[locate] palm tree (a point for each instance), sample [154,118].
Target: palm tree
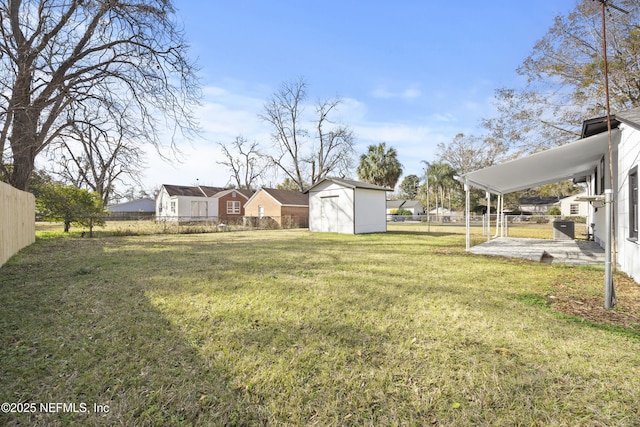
[380,166]
[440,176]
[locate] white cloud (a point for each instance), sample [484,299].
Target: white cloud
[383,92]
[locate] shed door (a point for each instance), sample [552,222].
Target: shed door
[329,214]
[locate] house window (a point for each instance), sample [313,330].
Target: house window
[574,209]
[633,203]
[173,207]
[233,207]
[260,211]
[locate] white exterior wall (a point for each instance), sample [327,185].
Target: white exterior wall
[182,204]
[599,213]
[370,212]
[331,209]
[163,205]
[628,256]
[565,206]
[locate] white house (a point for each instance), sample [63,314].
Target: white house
[186,203]
[587,161]
[569,206]
[200,203]
[347,207]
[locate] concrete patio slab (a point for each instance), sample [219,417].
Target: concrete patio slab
[571,252]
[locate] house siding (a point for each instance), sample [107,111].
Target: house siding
[628,255]
[271,207]
[603,170]
[230,196]
[298,216]
[293,216]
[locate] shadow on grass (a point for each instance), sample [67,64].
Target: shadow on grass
[264,329]
[80,331]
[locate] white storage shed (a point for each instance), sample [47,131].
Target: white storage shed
[347,207]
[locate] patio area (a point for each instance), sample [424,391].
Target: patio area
[571,252]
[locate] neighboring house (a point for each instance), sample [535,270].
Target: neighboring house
[569,206]
[346,206]
[537,205]
[199,203]
[133,209]
[230,204]
[413,206]
[288,208]
[587,161]
[393,206]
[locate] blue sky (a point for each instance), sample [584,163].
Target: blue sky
[411,73]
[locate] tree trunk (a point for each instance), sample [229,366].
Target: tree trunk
[67,225]
[23,137]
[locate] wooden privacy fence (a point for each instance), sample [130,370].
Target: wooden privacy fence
[17,221]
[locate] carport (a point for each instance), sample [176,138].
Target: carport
[578,159]
[574,160]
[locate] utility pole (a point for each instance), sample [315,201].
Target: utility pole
[610,299]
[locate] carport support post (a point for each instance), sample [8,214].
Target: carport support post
[488,216]
[609,295]
[466,215]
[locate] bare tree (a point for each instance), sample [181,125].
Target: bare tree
[304,156]
[56,56]
[244,161]
[97,153]
[565,78]
[466,153]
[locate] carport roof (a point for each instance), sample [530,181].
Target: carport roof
[573,160]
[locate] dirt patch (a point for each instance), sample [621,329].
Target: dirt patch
[567,300]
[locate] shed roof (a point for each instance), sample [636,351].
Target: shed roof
[349,183]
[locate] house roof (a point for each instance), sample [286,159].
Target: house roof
[288,197]
[350,184]
[139,205]
[244,193]
[412,204]
[392,204]
[573,160]
[191,191]
[539,200]
[629,117]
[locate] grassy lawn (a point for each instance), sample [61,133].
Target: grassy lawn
[294,328]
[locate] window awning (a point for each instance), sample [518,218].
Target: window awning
[569,161]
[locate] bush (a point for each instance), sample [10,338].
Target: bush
[554,210]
